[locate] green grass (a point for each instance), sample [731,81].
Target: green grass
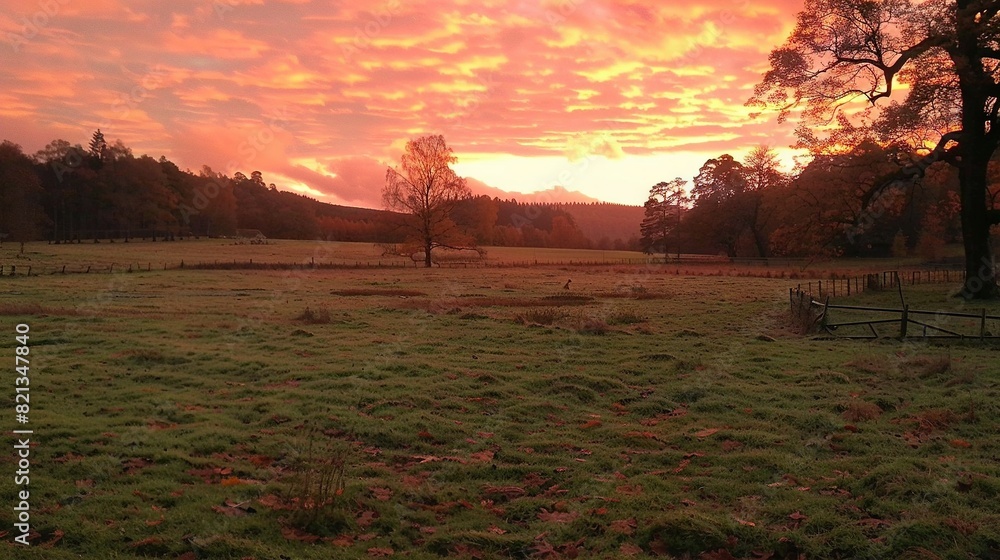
[192,414]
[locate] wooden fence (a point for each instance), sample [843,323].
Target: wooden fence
[847,285]
[814,316]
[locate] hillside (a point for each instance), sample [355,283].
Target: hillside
[605,221]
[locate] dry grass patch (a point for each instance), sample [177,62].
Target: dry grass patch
[935,419]
[31,308]
[593,325]
[377,292]
[625,318]
[924,366]
[436,306]
[545,316]
[874,363]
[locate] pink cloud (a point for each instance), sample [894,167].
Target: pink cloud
[353,82]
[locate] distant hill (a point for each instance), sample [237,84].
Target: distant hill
[606,221]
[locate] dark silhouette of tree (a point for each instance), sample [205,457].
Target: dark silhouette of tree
[663,216]
[947,52]
[21,213]
[97,147]
[427,190]
[762,178]
[718,217]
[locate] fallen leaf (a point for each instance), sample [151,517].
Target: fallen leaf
[746,523]
[629,550]
[960,443]
[366,518]
[706,432]
[57,536]
[624,526]
[293,534]
[483,456]
[557,517]
[721,554]
[380,552]
[382,494]
[730,445]
[630,490]
[342,540]
[496,530]
[147,542]
[590,424]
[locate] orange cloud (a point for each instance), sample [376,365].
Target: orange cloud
[200,79]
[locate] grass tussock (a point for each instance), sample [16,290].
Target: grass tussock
[315,486]
[861,411]
[593,325]
[319,316]
[545,316]
[625,318]
[935,419]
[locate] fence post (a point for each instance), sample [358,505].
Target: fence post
[982,326]
[903,321]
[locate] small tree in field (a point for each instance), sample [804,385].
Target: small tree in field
[427,190]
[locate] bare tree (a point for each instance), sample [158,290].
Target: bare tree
[947,51]
[427,190]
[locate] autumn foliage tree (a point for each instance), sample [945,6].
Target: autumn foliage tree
[427,191]
[947,52]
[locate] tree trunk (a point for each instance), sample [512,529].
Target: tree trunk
[980,269]
[427,252]
[976,148]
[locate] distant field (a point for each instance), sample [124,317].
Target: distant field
[45,258]
[484,413]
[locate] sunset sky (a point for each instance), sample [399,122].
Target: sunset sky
[604,97]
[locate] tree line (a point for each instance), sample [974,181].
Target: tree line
[68,193]
[751,208]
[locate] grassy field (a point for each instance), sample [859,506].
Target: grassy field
[486,413]
[45,258]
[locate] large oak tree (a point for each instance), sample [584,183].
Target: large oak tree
[947,52]
[427,190]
